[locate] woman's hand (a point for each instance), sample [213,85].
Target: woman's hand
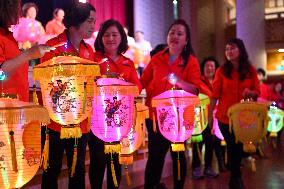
[38,51]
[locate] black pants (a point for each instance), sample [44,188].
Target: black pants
[56,150]
[98,162]
[209,147]
[235,151]
[158,147]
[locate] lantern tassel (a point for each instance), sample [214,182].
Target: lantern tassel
[178,119]
[178,166]
[249,147]
[113,172]
[253,165]
[223,143]
[226,155]
[84,97]
[70,131]
[45,153]
[35,99]
[154,123]
[128,180]
[74,161]
[13,151]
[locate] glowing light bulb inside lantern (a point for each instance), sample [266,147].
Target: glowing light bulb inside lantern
[172,79]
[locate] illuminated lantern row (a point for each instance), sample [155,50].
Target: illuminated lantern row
[249,122]
[113,116]
[20,141]
[176,117]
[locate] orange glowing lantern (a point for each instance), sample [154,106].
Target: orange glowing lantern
[134,139]
[249,122]
[67,88]
[20,143]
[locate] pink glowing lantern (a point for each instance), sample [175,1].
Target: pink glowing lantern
[67,87]
[20,141]
[216,128]
[176,114]
[28,30]
[113,115]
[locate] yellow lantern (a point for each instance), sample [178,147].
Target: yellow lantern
[134,139]
[67,89]
[20,143]
[249,122]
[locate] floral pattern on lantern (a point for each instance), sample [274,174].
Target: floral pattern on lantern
[67,87]
[176,114]
[112,118]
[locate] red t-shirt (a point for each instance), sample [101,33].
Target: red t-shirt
[205,86]
[53,28]
[17,82]
[154,77]
[229,90]
[123,66]
[85,51]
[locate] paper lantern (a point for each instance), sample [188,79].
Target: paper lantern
[27,30]
[176,114]
[134,139]
[216,128]
[67,87]
[20,143]
[275,123]
[112,118]
[201,113]
[249,122]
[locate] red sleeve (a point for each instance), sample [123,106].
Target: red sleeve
[48,55]
[147,75]
[192,73]
[217,84]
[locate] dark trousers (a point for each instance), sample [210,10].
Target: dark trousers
[158,147]
[98,161]
[208,140]
[56,150]
[235,151]
[219,151]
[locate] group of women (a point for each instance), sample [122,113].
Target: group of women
[235,80]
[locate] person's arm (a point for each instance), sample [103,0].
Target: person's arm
[187,86]
[254,91]
[213,102]
[9,66]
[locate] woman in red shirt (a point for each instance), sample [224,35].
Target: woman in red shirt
[110,45]
[208,68]
[235,80]
[12,61]
[177,59]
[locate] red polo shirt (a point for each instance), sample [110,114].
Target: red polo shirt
[85,51]
[17,82]
[229,90]
[123,66]
[154,77]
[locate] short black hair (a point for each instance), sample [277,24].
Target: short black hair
[77,14]
[206,59]
[27,6]
[99,46]
[157,49]
[260,70]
